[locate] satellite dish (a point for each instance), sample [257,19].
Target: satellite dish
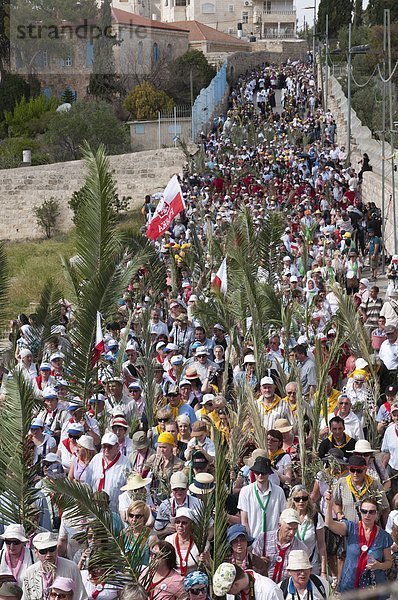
[65,107]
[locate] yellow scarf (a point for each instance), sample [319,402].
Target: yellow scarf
[292,407]
[332,400]
[174,410]
[347,439]
[267,408]
[273,455]
[362,372]
[158,430]
[363,490]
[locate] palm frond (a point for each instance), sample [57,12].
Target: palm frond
[47,313]
[202,521]
[121,555]
[255,419]
[4,282]
[101,272]
[18,476]
[268,242]
[220,548]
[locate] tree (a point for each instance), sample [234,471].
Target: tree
[90,120]
[339,12]
[47,215]
[104,83]
[144,101]
[12,89]
[4,34]
[30,117]
[192,65]
[375,11]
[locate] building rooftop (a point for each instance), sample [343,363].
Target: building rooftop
[200,32]
[123,17]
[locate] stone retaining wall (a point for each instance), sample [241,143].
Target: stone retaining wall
[136,175]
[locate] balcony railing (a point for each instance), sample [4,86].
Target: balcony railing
[275,11]
[274,35]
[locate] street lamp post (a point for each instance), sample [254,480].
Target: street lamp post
[313,36]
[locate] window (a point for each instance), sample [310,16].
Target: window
[245,18]
[68,61]
[208,8]
[267,6]
[169,53]
[140,53]
[89,53]
[181,3]
[139,128]
[156,53]
[166,2]
[231,8]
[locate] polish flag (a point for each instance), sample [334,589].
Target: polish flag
[99,347]
[220,278]
[170,205]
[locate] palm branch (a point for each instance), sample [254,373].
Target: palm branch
[255,419]
[18,477]
[4,282]
[220,547]
[202,522]
[101,272]
[267,245]
[117,552]
[148,379]
[47,313]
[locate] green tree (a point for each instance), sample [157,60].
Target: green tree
[4,34]
[339,12]
[30,117]
[192,65]
[12,89]
[104,83]
[90,120]
[375,11]
[47,215]
[144,101]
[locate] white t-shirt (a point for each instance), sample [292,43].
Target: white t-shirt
[390,444]
[115,478]
[264,589]
[249,503]
[307,534]
[47,445]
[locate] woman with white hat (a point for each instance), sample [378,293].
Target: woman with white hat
[135,489]
[188,556]
[84,453]
[15,558]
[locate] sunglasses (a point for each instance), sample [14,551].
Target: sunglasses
[163,420]
[13,542]
[133,516]
[343,403]
[301,498]
[60,595]
[356,470]
[44,551]
[371,511]
[198,591]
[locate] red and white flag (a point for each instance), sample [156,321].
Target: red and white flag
[170,205]
[220,278]
[99,347]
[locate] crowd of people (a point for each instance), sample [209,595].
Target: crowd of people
[290,533]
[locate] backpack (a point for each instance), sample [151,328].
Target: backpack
[313,578]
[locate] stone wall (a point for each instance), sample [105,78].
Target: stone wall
[22,189]
[362,141]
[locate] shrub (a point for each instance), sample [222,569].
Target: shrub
[12,89]
[119,205]
[29,117]
[144,101]
[46,216]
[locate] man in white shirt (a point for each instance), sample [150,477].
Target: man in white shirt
[388,355]
[389,447]
[108,470]
[41,576]
[261,502]
[300,583]
[352,425]
[233,582]
[157,326]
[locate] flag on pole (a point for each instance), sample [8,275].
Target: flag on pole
[170,205]
[99,347]
[220,278]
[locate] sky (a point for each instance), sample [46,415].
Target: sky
[309,14]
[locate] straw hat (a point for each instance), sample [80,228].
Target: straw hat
[135,482]
[203,483]
[363,447]
[282,425]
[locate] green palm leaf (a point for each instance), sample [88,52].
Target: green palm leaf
[18,477]
[220,548]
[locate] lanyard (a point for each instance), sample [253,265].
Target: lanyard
[280,559]
[183,561]
[301,537]
[264,520]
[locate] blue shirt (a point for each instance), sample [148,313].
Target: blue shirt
[382,540]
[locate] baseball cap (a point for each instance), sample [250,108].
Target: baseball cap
[109,438]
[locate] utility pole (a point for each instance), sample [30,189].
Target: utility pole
[327,63]
[390,98]
[349,96]
[314,42]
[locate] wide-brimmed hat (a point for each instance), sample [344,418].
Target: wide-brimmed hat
[298,559]
[191,374]
[282,425]
[262,465]
[44,540]
[362,447]
[11,590]
[140,440]
[203,483]
[236,530]
[87,442]
[15,531]
[249,461]
[135,482]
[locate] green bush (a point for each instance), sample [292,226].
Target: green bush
[119,205]
[12,89]
[47,215]
[11,151]
[144,101]
[90,120]
[30,117]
